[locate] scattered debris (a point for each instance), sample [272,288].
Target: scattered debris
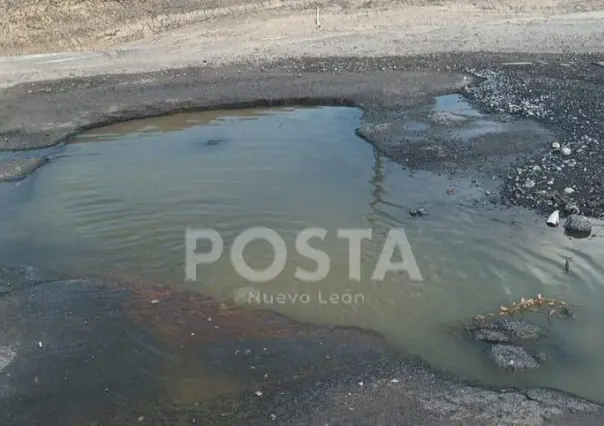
[554,219]
[418,212]
[571,208]
[569,191]
[540,304]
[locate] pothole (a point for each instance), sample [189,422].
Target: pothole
[128,200]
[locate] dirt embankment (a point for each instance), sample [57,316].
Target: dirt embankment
[37,26]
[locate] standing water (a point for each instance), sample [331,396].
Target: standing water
[119,199]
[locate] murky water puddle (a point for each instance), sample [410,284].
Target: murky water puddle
[122,206]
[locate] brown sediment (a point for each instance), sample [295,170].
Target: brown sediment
[193,317]
[181,316]
[255,348]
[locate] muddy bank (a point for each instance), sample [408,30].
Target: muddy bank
[32,121]
[559,92]
[89,351]
[13,171]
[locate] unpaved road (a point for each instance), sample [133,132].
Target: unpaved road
[363,54]
[35,26]
[355,31]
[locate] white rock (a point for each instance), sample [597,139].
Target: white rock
[554,219]
[566,151]
[555,146]
[569,190]
[529,183]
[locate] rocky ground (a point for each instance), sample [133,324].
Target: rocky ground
[377,58]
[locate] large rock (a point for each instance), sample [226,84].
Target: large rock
[513,358]
[503,330]
[519,329]
[578,225]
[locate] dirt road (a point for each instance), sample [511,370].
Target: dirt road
[247,32]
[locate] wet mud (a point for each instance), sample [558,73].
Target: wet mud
[85,351]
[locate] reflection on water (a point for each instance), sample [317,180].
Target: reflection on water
[123,205]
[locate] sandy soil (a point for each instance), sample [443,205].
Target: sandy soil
[35,26]
[244,32]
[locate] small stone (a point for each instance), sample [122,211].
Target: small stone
[566,151]
[413,212]
[556,146]
[536,169]
[513,358]
[422,211]
[529,183]
[569,190]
